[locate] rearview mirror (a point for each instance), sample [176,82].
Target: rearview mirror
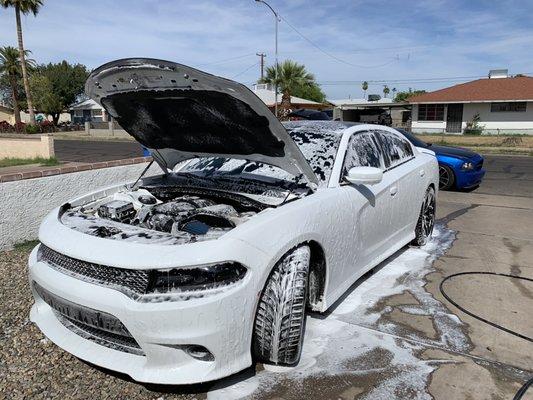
[364,175]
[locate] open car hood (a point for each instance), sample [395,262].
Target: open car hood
[181,113]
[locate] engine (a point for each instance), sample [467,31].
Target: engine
[170,218]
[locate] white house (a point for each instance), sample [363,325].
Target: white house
[88,111]
[503,104]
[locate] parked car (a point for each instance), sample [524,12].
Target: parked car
[458,168]
[191,275]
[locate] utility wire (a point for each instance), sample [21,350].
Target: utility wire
[331,55]
[228,59]
[246,70]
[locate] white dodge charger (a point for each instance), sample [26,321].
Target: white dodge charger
[193,274]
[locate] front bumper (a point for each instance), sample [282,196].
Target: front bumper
[221,322]
[469,179]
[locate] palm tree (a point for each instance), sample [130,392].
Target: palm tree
[24,7]
[10,65]
[386,90]
[365,87]
[291,76]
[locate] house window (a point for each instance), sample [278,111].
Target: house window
[517,106]
[78,113]
[431,112]
[96,113]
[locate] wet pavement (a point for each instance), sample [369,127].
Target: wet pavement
[392,336]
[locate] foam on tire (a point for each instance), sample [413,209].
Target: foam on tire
[279,323]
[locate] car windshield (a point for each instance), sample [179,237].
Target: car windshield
[413,139]
[318,142]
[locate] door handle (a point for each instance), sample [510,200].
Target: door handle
[393,190]
[422,172]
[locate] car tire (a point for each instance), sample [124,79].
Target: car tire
[426,219]
[446,177]
[280,319]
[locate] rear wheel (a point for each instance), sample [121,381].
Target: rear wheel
[446,177]
[426,219]
[280,319]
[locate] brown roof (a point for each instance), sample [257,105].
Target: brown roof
[517,88]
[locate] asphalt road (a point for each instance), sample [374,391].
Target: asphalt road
[95,151]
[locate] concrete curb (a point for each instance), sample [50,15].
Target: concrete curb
[42,172]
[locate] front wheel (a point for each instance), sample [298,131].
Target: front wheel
[426,219]
[446,177]
[280,319]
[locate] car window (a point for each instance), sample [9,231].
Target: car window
[363,151]
[396,149]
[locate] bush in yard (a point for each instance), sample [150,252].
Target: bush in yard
[473,127]
[32,129]
[20,127]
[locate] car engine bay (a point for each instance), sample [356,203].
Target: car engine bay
[168,217]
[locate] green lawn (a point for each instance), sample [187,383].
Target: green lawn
[12,162]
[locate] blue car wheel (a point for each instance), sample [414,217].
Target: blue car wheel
[446,177]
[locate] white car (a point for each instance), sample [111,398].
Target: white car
[192,275]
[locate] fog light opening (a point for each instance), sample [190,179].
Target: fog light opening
[199,352]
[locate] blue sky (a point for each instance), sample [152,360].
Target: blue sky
[375,40]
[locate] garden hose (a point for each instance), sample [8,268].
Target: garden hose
[526,385]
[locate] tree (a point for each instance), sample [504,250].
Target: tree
[403,96]
[57,86]
[24,7]
[365,87]
[386,90]
[10,68]
[312,92]
[291,77]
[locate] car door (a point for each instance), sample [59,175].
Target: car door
[402,171]
[370,204]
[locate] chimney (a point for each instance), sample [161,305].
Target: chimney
[498,73]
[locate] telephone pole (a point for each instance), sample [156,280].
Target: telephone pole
[262,55]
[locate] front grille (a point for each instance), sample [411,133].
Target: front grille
[96,326]
[129,281]
[111,340]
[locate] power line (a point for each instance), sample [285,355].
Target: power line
[409,80]
[228,59]
[246,70]
[331,55]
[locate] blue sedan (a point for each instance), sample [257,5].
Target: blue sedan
[458,168]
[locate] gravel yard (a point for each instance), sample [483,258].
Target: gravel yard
[32,367]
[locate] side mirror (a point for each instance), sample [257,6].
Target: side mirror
[364,175]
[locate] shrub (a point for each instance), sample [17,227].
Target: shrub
[32,129]
[20,127]
[473,127]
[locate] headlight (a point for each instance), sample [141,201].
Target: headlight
[196,278]
[467,166]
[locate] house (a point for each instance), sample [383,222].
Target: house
[88,111]
[264,92]
[503,104]
[6,113]
[372,110]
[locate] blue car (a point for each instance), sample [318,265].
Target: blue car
[458,168]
